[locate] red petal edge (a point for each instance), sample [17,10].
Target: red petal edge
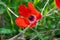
[23,10]
[57,2]
[22,22]
[32,25]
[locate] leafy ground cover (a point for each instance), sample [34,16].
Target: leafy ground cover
[48,28]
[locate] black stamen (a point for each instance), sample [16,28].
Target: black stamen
[31,18]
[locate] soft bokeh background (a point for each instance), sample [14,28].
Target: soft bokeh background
[48,28]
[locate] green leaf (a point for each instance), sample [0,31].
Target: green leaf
[1,10]
[5,31]
[12,23]
[36,2]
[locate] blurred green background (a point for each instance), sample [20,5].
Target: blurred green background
[46,29]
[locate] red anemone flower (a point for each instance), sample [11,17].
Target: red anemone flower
[28,16]
[57,2]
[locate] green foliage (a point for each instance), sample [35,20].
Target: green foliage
[46,24]
[5,31]
[36,2]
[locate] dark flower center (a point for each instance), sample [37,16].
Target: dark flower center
[31,18]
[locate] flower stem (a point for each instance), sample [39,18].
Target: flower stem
[16,36]
[38,34]
[44,6]
[43,33]
[8,8]
[47,14]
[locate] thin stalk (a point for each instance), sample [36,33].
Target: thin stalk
[47,14]
[45,6]
[43,33]
[8,8]
[16,36]
[38,34]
